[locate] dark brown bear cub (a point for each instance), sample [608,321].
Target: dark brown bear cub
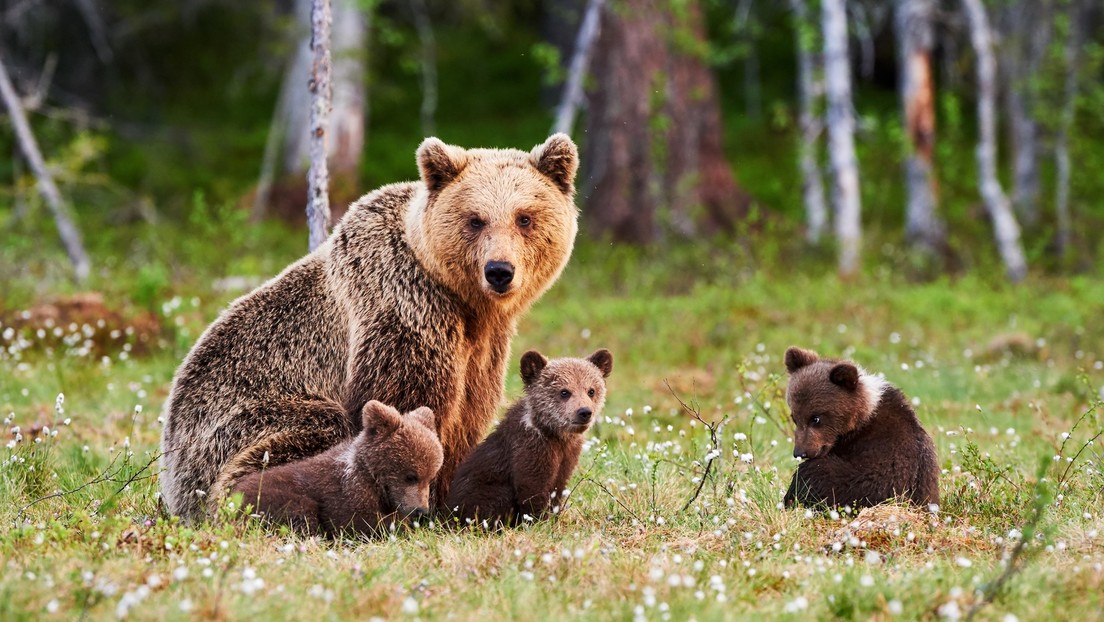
[361,485]
[860,438]
[520,470]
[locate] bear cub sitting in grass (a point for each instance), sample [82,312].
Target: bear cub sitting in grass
[361,485]
[521,469]
[860,438]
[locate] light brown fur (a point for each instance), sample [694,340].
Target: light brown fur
[395,306]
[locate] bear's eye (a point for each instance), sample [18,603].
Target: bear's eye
[411,478]
[564,393]
[524,221]
[815,420]
[476,223]
[590,392]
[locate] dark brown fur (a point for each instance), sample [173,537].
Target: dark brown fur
[860,438]
[361,485]
[521,469]
[394,307]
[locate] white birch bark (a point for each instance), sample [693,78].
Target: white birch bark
[913,20]
[428,44]
[318,180]
[808,92]
[841,136]
[572,96]
[70,235]
[1027,32]
[296,151]
[1065,122]
[1005,227]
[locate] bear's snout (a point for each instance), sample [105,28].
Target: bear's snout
[582,416]
[499,275]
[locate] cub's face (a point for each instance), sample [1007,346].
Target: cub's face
[565,395]
[402,454]
[825,401]
[499,224]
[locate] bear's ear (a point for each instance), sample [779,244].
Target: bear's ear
[424,416]
[379,419]
[439,163]
[557,159]
[796,358]
[603,360]
[845,375]
[532,363]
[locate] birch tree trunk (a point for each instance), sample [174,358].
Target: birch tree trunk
[841,136]
[809,125]
[1023,44]
[1005,227]
[1065,122]
[70,235]
[348,116]
[580,61]
[923,227]
[318,197]
[428,44]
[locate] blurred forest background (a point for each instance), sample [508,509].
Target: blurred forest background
[951,135]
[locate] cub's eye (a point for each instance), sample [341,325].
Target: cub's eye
[815,420]
[411,478]
[564,393]
[524,221]
[590,392]
[476,223]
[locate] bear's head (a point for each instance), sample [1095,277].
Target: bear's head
[564,396]
[400,454]
[828,398]
[497,226]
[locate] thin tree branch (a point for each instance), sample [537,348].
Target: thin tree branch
[580,60]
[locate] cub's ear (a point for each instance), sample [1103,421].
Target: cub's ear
[379,419]
[845,375]
[603,360]
[796,358]
[439,163]
[532,363]
[424,416]
[557,159]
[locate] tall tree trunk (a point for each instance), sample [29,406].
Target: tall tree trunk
[841,136]
[809,125]
[923,226]
[1005,227]
[1024,41]
[580,61]
[428,44]
[654,159]
[70,235]
[747,31]
[318,179]
[1065,122]
[348,119]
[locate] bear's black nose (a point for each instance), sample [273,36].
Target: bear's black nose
[799,453]
[583,415]
[498,275]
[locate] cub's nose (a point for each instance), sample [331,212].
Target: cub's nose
[799,453]
[419,513]
[583,415]
[499,274]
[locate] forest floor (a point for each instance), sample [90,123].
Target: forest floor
[1006,379]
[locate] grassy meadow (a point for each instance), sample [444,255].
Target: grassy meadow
[674,512]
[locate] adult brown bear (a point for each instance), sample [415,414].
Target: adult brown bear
[412,301]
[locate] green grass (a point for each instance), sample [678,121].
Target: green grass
[999,372]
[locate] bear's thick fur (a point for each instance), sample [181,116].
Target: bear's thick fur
[412,301]
[360,485]
[860,438]
[522,467]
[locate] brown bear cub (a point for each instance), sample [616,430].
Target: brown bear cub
[361,485]
[860,438]
[521,469]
